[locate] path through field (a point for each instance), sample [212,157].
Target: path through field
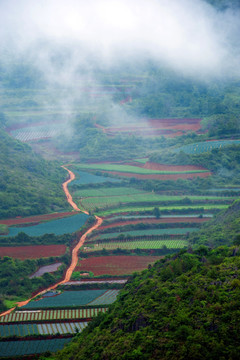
[74,251]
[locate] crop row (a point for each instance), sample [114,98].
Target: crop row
[147,232]
[41,329]
[110,201]
[199,148]
[138,244]
[48,315]
[83,178]
[69,299]
[131,169]
[29,347]
[177,208]
[106,299]
[116,191]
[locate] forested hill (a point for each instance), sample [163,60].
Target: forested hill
[28,184]
[223,230]
[184,307]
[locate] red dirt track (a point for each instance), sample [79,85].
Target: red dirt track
[74,251]
[32,252]
[116,265]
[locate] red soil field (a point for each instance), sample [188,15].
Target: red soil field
[116,265]
[36,219]
[32,252]
[155,221]
[162,167]
[162,176]
[157,127]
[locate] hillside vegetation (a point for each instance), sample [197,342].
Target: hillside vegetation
[184,307]
[29,185]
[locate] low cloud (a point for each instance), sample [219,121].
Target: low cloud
[188,36]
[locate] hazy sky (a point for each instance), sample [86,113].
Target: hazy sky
[187,35]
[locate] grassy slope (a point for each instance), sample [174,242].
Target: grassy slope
[28,184]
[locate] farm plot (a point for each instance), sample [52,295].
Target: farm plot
[163,209]
[201,147]
[50,315]
[165,220]
[147,232]
[83,178]
[37,218]
[91,203]
[131,169]
[66,299]
[115,265]
[116,191]
[31,347]
[106,299]
[37,132]
[32,252]
[62,226]
[41,329]
[138,244]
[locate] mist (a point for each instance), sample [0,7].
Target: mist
[190,37]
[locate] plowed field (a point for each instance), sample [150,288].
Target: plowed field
[116,265]
[32,252]
[162,176]
[155,221]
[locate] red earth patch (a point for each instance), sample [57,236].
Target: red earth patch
[116,265]
[32,252]
[155,221]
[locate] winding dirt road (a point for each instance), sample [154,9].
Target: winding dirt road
[74,251]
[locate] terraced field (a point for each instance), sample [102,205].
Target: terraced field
[178,209]
[146,232]
[31,347]
[62,226]
[51,315]
[115,265]
[133,169]
[138,244]
[41,329]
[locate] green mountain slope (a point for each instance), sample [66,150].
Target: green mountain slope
[28,184]
[184,307]
[223,230]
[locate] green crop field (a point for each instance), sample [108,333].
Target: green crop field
[83,178]
[66,299]
[180,208]
[69,224]
[106,299]
[139,244]
[91,203]
[132,169]
[31,347]
[201,147]
[169,231]
[116,191]
[48,315]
